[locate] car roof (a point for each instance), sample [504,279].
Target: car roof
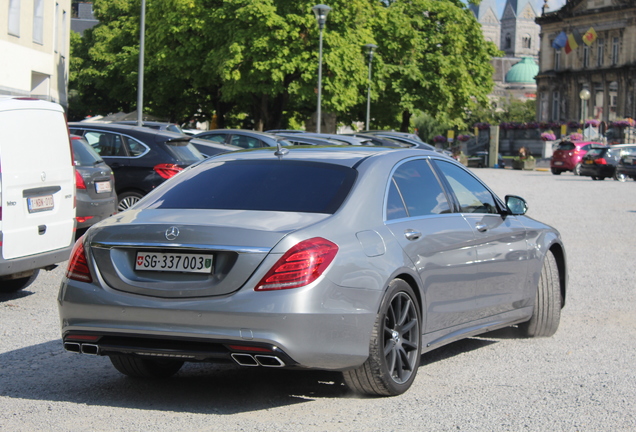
[339,155]
[131,130]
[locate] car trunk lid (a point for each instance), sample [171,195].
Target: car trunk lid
[227,245]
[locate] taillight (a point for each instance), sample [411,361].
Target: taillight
[167,170]
[79,181]
[299,266]
[600,161]
[78,264]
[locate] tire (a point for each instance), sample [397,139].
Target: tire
[13,285]
[594,178]
[547,305]
[137,367]
[127,200]
[577,169]
[620,177]
[555,171]
[395,346]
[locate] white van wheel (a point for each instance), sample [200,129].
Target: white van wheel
[13,285]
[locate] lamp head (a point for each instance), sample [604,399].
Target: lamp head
[585,94]
[321,11]
[370,48]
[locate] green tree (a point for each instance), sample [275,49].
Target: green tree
[433,58]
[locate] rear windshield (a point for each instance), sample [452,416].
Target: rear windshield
[184,151]
[267,185]
[84,154]
[566,146]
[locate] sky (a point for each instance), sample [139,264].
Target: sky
[538,4]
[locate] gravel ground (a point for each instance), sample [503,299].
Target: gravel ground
[581,379]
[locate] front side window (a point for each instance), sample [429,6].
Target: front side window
[473,196]
[105,143]
[415,191]
[246,142]
[214,138]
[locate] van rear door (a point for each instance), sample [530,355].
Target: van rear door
[38,180]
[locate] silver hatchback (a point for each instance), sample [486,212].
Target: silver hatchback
[356,259]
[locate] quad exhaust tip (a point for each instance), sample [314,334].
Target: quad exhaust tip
[257,360]
[75,347]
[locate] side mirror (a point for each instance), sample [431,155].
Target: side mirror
[516,205]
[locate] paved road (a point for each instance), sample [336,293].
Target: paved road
[582,379]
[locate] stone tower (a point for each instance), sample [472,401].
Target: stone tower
[519,32]
[486,14]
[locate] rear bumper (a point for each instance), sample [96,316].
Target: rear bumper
[321,326]
[98,209]
[32,262]
[597,170]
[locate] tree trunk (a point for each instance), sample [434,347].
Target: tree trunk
[406,121]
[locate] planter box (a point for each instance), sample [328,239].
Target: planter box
[527,164]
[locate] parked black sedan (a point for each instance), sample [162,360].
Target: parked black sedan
[141,158]
[626,166]
[600,163]
[247,139]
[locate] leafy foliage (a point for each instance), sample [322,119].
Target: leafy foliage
[253,63]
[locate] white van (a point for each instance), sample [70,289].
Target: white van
[37,190]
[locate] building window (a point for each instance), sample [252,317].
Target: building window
[526,41]
[600,52]
[586,56]
[613,100]
[615,51]
[14,17]
[557,59]
[38,21]
[63,52]
[508,42]
[556,102]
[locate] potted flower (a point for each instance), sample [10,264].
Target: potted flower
[524,160]
[548,136]
[463,137]
[576,137]
[439,139]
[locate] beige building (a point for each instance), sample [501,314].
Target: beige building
[34,48]
[606,67]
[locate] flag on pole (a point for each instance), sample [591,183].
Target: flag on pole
[577,36]
[590,36]
[560,41]
[571,44]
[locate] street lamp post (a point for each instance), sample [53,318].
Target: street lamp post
[321,11]
[140,77]
[370,48]
[585,96]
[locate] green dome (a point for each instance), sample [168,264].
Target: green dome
[523,72]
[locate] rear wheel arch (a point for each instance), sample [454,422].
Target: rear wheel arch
[409,279]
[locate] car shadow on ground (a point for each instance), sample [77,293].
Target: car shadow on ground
[6,297]
[47,372]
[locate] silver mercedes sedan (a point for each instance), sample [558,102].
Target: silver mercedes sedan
[353,259]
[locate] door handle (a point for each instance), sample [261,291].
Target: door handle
[481,227]
[412,235]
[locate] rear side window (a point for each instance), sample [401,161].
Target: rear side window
[271,185]
[84,153]
[415,191]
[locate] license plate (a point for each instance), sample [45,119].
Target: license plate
[41,203]
[558,163]
[103,187]
[174,262]
[589,161]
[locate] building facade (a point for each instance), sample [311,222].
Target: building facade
[599,56]
[34,47]
[517,35]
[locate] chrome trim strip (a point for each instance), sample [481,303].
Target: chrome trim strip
[239,249]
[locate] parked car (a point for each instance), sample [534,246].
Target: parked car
[212,148]
[348,258]
[480,160]
[626,166]
[411,140]
[95,185]
[37,209]
[302,139]
[162,126]
[568,154]
[141,158]
[382,141]
[391,133]
[344,139]
[600,162]
[246,139]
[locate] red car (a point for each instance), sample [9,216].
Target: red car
[568,155]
